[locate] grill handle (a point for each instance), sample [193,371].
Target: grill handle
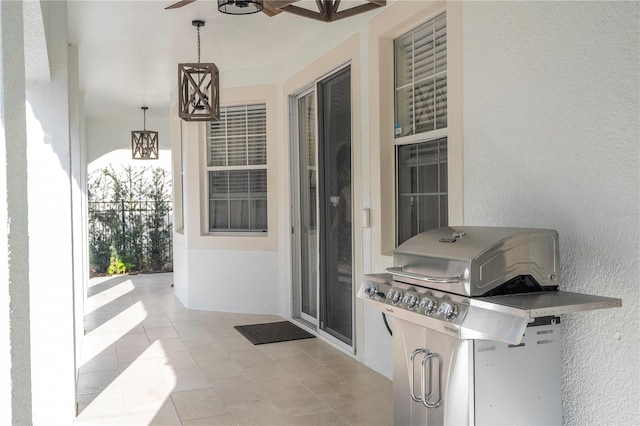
[425,399]
[411,373]
[397,270]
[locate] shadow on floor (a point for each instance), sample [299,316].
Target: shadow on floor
[149,360]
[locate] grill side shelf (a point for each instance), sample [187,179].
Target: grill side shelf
[548,303]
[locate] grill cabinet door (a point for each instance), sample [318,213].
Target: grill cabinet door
[452,371]
[407,337]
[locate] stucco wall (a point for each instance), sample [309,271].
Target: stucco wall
[51,231]
[15,360]
[233,281]
[551,140]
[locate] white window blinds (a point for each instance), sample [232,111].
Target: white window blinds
[237,169]
[421,79]
[239,138]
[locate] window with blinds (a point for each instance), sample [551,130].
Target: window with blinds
[420,110]
[421,79]
[237,169]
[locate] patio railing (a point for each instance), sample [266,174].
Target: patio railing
[137,232]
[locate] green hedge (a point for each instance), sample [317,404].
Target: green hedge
[130,222]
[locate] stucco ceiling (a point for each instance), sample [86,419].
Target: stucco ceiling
[129,50]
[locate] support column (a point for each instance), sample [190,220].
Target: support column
[51,190]
[15,347]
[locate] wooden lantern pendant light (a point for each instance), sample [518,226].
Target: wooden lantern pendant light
[198,88]
[144,143]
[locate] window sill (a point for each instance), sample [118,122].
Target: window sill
[239,234]
[421,137]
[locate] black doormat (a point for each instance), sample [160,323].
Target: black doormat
[272,332]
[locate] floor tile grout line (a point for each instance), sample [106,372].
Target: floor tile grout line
[320,354]
[312,392]
[325,403]
[208,381]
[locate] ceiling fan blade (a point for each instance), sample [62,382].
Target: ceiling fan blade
[179,4]
[273,7]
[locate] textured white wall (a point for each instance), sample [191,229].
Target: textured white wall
[15,360]
[51,230]
[233,281]
[551,139]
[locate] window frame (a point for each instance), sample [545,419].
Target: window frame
[439,190]
[424,137]
[436,132]
[244,167]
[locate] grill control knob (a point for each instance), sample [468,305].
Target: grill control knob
[411,301]
[371,290]
[428,305]
[394,296]
[448,311]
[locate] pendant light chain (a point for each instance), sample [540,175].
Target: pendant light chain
[144,122]
[198,29]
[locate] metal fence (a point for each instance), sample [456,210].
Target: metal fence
[140,232]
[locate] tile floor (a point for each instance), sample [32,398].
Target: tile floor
[147,360]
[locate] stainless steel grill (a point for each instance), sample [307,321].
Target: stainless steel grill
[476,261]
[476,316]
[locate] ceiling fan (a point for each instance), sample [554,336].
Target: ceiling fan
[327,9]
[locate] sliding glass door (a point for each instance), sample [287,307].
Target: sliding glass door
[334,155]
[322,200]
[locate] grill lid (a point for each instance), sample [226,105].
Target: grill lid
[475,261]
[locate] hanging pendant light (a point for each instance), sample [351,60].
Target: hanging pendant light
[144,143]
[198,85]
[240,7]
